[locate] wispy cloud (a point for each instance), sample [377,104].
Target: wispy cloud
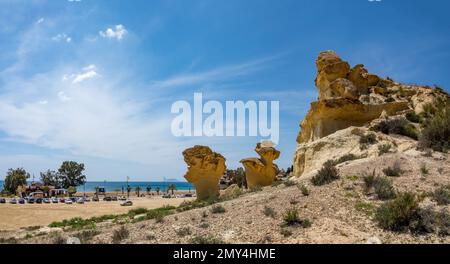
[216,74]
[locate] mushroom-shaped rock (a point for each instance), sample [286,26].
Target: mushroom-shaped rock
[262,171]
[205,168]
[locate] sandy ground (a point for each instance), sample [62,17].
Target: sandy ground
[15,216]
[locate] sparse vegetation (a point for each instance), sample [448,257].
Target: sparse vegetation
[289,183]
[204,225]
[367,208]
[269,212]
[218,209]
[404,214]
[442,195]
[345,158]
[184,231]
[368,139]
[120,234]
[202,240]
[424,170]
[285,232]
[291,218]
[384,189]
[436,132]
[413,117]
[383,149]
[303,189]
[255,189]
[10,240]
[87,235]
[394,171]
[397,214]
[326,175]
[398,125]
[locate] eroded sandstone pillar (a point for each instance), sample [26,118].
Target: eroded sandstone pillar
[261,171]
[205,168]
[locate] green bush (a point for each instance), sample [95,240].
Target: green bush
[218,209]
[436,134]
[304,189]
[345,158]
[394,171]
[398,125]
[137,211]
[424,170]
[413,117]
[429,221]
[384,189]
[326,175]
[397,214]
[291,218]
[184,231]
[368,139]
[383,149]
[270,212]
[442,195]
[369,180]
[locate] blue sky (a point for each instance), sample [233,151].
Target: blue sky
[93,81]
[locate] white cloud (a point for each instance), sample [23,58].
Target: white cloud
[43,102]
[63,97]
[87,73]
[62,37]
[118,33]
[74,1]
[85,76]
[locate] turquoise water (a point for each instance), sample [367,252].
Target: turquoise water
[113,186]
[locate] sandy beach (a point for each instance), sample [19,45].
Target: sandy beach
[15,216]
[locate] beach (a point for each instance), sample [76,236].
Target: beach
[16,216]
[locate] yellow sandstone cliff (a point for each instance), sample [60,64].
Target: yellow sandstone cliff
[349,97]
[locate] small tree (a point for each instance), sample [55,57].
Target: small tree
[72,190]
[71,174]
[158,190]
[149,190]
[15,178]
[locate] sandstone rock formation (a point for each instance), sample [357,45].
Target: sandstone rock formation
[261,171]
[205,168]
[350,97]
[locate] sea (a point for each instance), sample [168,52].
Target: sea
[117,186]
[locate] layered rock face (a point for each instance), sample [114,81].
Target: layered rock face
[350,97]
[205,168]
[261,171]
